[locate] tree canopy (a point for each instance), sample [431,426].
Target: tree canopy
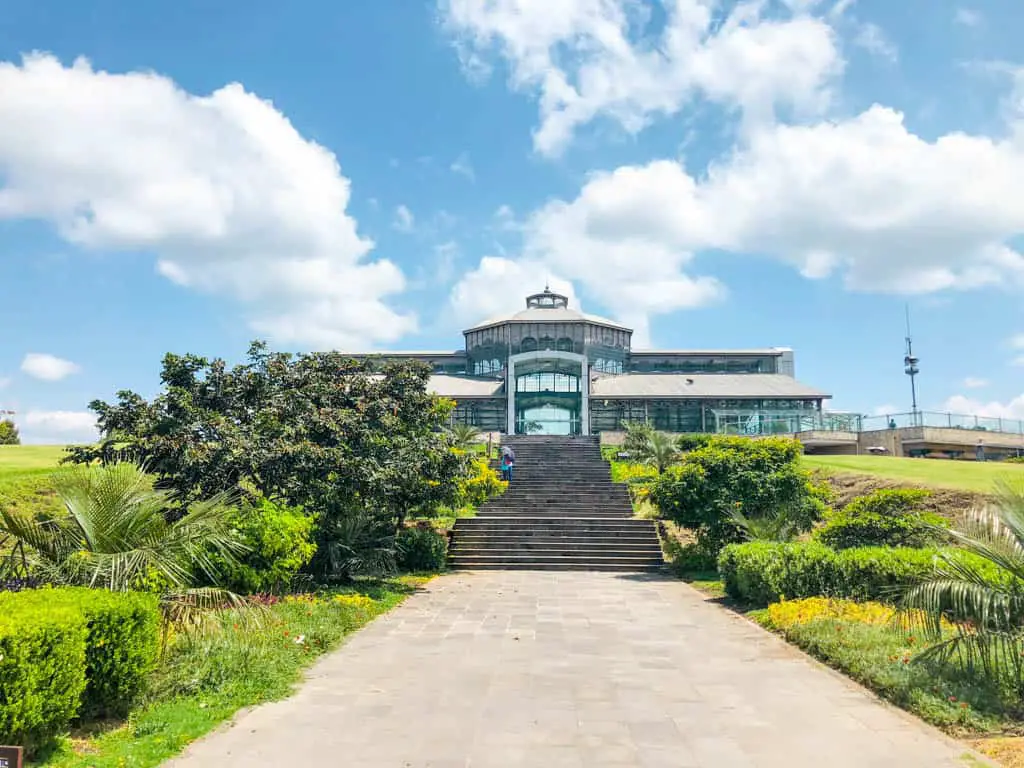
[9,433]
[338,437]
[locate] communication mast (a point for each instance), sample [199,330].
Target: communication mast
[910,367]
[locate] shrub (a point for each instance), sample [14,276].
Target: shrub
[691,441]
[42,670]
[481,484]
[761,573]
[790,613]
[688,558]
[122,641]
[758,478]
[421,549]
[886,517]
[278,541]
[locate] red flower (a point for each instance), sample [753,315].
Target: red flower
[952,698]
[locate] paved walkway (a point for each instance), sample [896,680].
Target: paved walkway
[571,669]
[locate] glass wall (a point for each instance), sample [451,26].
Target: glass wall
[723,416]
[487,415]
[702,364]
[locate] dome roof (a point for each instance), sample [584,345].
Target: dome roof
[547,307]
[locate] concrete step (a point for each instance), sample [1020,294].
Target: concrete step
[580,521]
[465,549]
[533,560]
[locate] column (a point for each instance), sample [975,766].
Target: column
[510,395]
[585,397]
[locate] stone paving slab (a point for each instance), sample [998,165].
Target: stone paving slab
[509,669]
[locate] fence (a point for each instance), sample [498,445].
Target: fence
[943,421]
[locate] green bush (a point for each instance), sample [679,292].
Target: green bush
[421,549]
[757,478]
[122,642]
[42,670]
[480,484]
[887,517]
[688,558]
[691,441]
[278,540]
[760,573]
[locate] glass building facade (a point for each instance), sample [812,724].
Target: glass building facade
[550,369]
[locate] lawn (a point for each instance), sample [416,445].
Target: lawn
[961,475]
[25,472]
[19,460]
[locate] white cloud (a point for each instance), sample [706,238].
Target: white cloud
[863,198]
[972,382]
[499,286]
[871,38]
[463,167]
[597,58]
[1013,409]
[404,220]
[47,367]
[967,17]
[58,427]
[222,189]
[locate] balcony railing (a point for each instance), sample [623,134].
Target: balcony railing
[943,421]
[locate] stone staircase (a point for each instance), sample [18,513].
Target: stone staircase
[561,512]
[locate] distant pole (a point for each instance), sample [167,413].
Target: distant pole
[910,367]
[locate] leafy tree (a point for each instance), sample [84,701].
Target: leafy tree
[9,433]
[983,596]
[335,436]
[465,436]
[758,479]
[888,517]
[114,533]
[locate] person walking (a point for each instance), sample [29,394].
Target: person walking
[508,462]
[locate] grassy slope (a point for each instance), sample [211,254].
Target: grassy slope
[964,475]
[25,472]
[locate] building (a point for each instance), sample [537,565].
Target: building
[550,369]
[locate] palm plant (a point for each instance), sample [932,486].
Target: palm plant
[116,532]
[982,596]
[776,526]
[465,436]
[659,450]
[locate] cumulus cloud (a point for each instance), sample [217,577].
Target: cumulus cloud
[498,285]
[605,58]
[47,367]
[1013,409]
[862,198]
[58,427]
[221,188]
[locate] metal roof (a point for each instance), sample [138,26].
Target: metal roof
[464,386]
[548,315]
[702,385]
[773,351]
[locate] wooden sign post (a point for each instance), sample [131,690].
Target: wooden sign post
[10,757]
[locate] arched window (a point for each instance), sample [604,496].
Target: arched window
[529,344]
[564,344]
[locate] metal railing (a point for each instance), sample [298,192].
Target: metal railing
[943,421]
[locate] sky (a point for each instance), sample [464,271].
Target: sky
[189,176]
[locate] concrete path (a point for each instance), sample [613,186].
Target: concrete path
[585,670]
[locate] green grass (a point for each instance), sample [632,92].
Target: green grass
[204,681]
[979,476]
[25,472]
[883,659]
[18,460]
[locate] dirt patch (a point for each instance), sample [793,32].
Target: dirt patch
[947,502]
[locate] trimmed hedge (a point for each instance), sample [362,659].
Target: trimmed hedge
[760,573]
[42,670]
[421,549]
[119,641]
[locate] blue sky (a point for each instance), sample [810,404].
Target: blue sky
[188,176]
